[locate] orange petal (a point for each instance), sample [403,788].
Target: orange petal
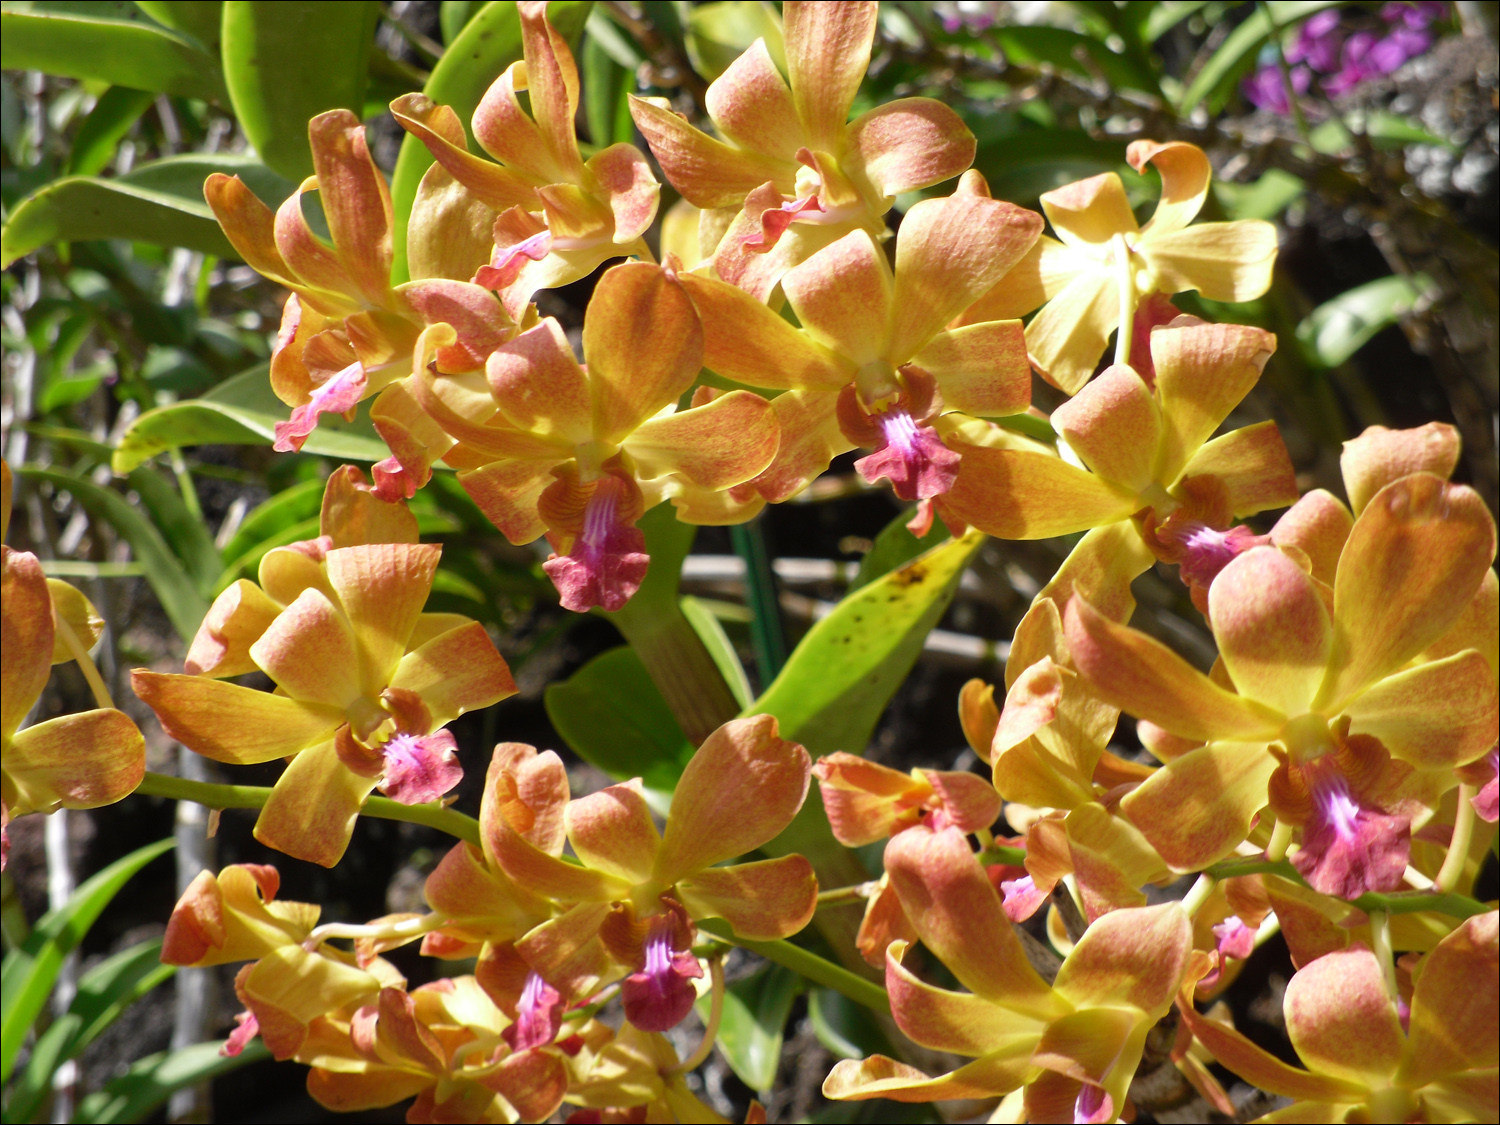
[355,201]
[827,52]
[1129,957]
[1233,1051]
[1379,456]
[1066,339]
[842,296]
[439,128]
[1087,214]
[1453,1004]
[951,251]
[1341,1020]
[1018,494]
[632,191]
[864,800]
[233,724]
[1100,568]
[1197,808]
[715,446]
[769,777]
[1413,562]
[708,173]
[382,588]
[539,386]
[752,106]
[958,1022]
[1113,424]
[1478,627]
[249,225]
[527,792]
[880,1077]
[1041,275]
[629,383]
[1143,676]
[507,492]
[949,899]
[762,901]
[1202,373]
[309,650]
[810,439]
[313,806]
[1223,261]
[1436,715]
[78,761]
[910,143]
[612,831]
[978,716]
[552,85]
[352,514]
[28,631]
[459,670]
[1318,525]
[748,342]
[1185,173]
[450,232]
[1273,631]
[1253,465]
[981,369]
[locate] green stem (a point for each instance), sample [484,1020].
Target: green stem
[809,965]
[1398,902]
[214,796]
[1458,848]
[760,587]
[999,853]
[846,896]
[1286,75]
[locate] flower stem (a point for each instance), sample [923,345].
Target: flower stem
[1380,938]
[1193,901]
[999,853]
[1125,283]
[1458,848]
[1281,839]
[213,796]
[408,930]
[845,896]
[711,1030]
[85,662]
[808,964]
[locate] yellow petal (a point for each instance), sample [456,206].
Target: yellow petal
[233,724]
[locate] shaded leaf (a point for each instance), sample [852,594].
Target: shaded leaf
[718,33]
[755,1013]
[117,109]
[1029,45]
[895,546]
[1023,165]
[605,86]
[711,633]
[202,19]
[154,1079]
[843,1026]
[302,501]
[1336,329]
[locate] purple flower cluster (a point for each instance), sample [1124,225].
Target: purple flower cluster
[1345,59]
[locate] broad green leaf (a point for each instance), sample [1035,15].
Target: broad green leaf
[895,546]
[179,597]
[118,52]
[843,1026]
[1266,198]
[160,203]
[1336,329]
[614,718]
[244,564]
[202,19]
[286,63]
[1060,48]
[840,677]
[117,109]
[718,33]
[489,42]
[240,411]
[750,1031]
[605,86]
[29,972]
[1215,79]
[1025,164]
[303,501]
[719,646]
[103,995]
[1167,15]
[150,1082]
[454,16]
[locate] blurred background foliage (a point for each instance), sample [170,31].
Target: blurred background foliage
[138,415]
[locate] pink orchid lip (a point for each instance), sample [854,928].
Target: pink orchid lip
[1348,847]
[338,394]
[1093,1105]
[1206,551]
[538,1015]
[419,768]
[240,1038]
[659,996]
[1022,898]
[912,457]
[1486,802]
[608,561]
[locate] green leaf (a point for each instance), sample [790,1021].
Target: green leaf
[1266,198]
[1029,45]
[1167,15]
[160,203]
[103,995]
[706,624]
[180,598]
[893,547]
[750,1031]
[302,501]
[240,411]
[202,19]
[489,43]
[1023,165]
[286,63]
[184,532]
[117,109]
[605,86]
[1216,78]
[719,33]
[840,677]
[843,1026]
[29,972]
[154,1079]
[114,51]
[1336,329]
[614,718]
[245,563]
[454,16]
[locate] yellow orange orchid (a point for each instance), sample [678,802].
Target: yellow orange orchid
[1088,284]
[1371,1054]
[1325,681]
[634,1075]
[555,216]
[792,170]
[546,445]
[365,683]
[638,890]
[78,761]
[1073,1045]
[873,364]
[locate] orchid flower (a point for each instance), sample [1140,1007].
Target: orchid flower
[1088,284]
[1367,1059]
[546,445]
[1074,1046]
[443,1043]
[638,890]
[872,364]
[793,172]
[1317,687]
[79,761]
[555,216]
[634,1075]
[346,334]
[365,685]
